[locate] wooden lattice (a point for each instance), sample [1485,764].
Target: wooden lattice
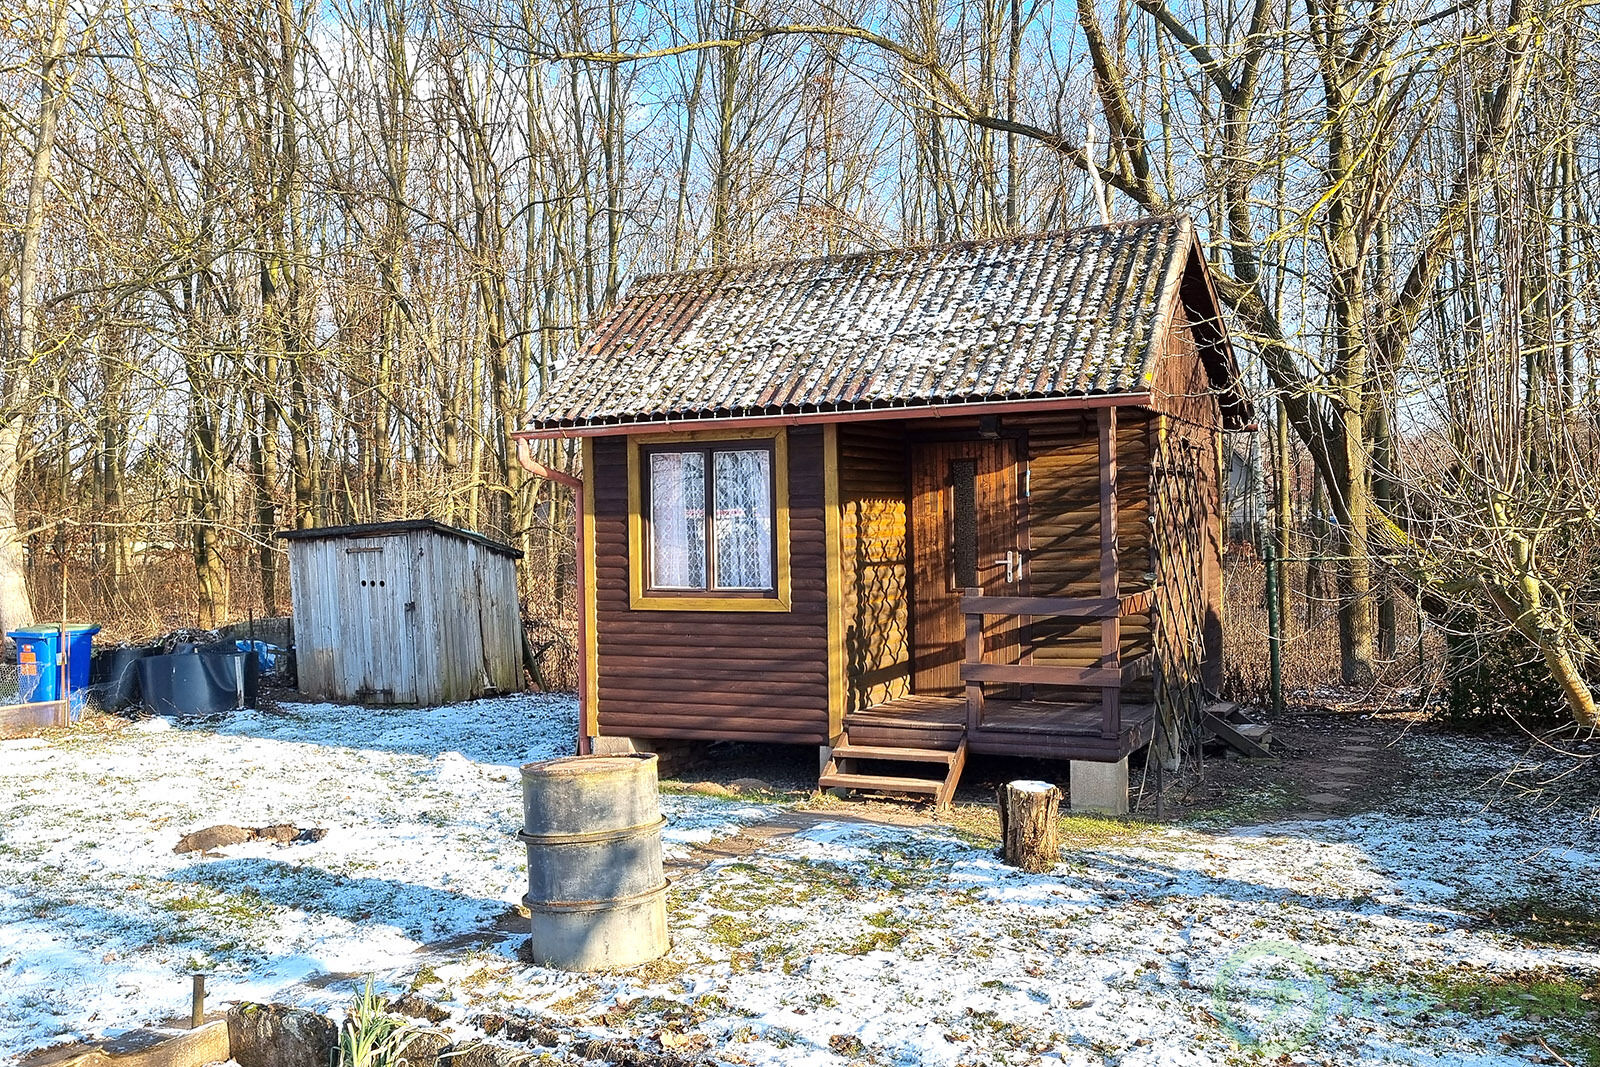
[1178,539]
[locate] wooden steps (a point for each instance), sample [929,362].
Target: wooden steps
[843,770]
[1233,726]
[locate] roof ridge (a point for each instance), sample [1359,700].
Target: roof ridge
[897,250]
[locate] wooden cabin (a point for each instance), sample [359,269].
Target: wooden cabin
[908,505]
[404,612]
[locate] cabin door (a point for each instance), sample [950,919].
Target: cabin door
[966,531]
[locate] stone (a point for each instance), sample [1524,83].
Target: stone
[484,1053]
[212,838]
[422,1048]
[276,1035]
[281,832]
[1098,787]
[419,1008]
[749,785]
[222,836]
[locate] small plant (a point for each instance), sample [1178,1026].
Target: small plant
[369,1036]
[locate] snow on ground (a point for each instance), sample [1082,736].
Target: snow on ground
[101,923]
[1344,941]
[1330,942]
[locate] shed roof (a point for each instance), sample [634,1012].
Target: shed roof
[1072,314]
[399,526]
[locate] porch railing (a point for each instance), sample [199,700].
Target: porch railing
[1109,676]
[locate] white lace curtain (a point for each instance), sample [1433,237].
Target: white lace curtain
[741,519]
[678,520]
[743,512]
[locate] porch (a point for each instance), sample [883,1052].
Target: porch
[1000,595]
[1045,711]
[1038,728]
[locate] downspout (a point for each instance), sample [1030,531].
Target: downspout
[539,470]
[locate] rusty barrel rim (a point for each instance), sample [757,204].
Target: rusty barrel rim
[622,765]
[593,838]
[556,907]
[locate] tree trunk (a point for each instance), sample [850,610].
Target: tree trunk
[15,607]
[1029,821]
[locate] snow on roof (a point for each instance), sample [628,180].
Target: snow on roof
[1055,315]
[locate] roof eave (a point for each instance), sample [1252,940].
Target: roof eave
[955,409]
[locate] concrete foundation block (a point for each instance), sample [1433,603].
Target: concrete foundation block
[672,757]
[618,746]
[1099,787]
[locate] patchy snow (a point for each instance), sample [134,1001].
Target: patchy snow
[1332,942]
[101,923]
[1328,942]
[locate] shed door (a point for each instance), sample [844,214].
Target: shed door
[378,628]
[966,532]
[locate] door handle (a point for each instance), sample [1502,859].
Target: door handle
[1013,563]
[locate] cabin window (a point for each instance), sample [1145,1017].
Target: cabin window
[710,519]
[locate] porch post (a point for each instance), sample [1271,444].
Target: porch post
[1110,580]
[974,636]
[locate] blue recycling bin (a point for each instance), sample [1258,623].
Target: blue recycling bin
[39,673]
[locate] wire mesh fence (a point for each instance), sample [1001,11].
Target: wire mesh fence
[9,690]
[1310,632]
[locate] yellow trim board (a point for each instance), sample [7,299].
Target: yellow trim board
[831,516]
[638,598]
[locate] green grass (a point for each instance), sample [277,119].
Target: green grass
[1546,922]
[1248,807]
[1562,1009]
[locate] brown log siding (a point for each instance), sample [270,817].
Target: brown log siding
[744,676]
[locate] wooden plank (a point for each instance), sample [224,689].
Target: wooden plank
[713,720]
[947,791]
[1138,603]
[21,720]
[684,670]
[736,695]
[1035,674]
[893,754]
[905,737]
[1042,606]
[974,655]
[880,783]
[1234,736]
[1135,669]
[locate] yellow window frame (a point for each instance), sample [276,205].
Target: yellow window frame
[639,597]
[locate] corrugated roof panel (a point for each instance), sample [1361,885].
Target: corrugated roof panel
[1055,315]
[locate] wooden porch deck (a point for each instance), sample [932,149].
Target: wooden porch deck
[1009,727]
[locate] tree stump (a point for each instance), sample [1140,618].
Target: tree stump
[1028,825]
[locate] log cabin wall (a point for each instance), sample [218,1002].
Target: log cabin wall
[874,563]
[711,675]
[1187,493]
[1063,514]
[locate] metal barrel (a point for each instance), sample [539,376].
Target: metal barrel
[596,888]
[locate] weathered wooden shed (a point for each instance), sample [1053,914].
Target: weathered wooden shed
[909,504]
[408,612]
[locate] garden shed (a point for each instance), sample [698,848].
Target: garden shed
[407,612]
[908,504]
